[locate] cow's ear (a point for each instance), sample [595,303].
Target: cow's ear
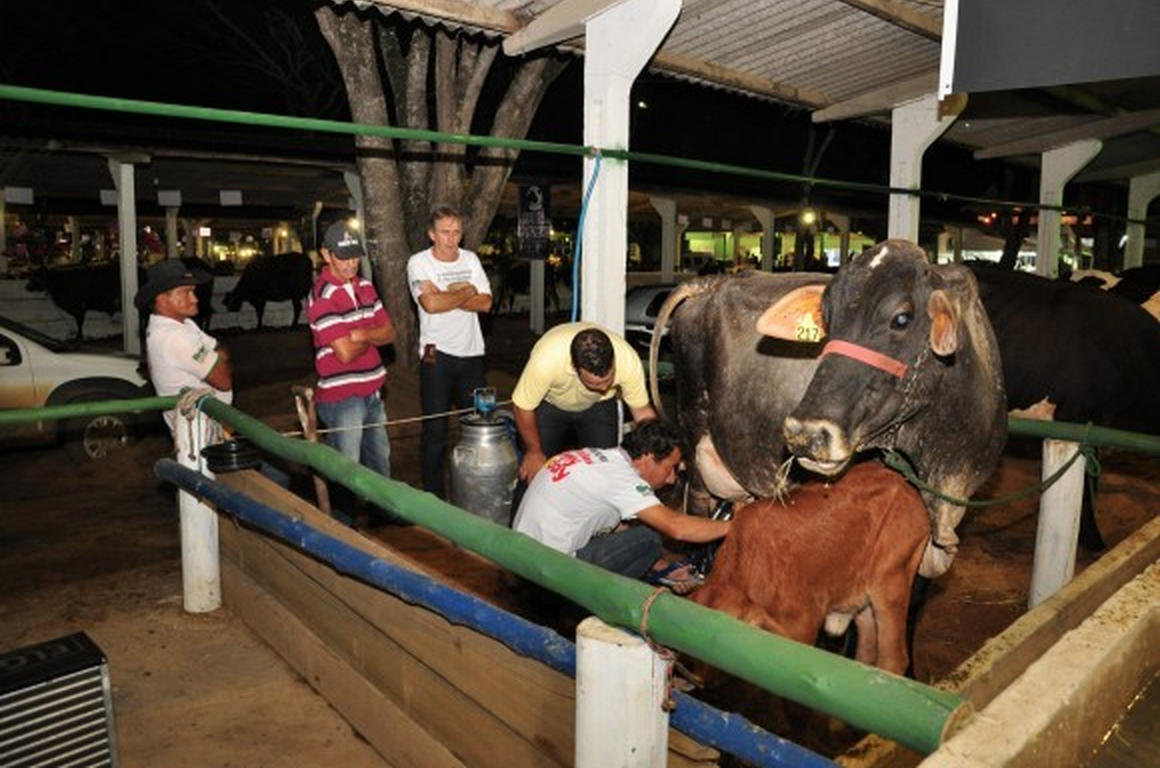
[944,323]
[797,316]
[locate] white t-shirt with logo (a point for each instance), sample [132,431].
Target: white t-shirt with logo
[581,494]
[180,356]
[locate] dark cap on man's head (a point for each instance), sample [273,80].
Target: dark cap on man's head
[165,276]
[342,241]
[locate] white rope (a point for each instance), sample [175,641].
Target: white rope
[389,422]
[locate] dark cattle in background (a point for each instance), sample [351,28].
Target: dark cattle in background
[283,277]
[1140,285]
[734,386]
[1093,355]
[78,290]
[829,553]
[514,278]
[910,364]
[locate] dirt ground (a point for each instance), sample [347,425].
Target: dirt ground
[94,547]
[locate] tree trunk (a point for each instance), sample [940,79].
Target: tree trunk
[386,241]
[403,181]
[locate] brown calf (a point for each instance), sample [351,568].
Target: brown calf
[830,553]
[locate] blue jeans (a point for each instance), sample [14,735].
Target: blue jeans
[360,436]
[449,380]
[630,552]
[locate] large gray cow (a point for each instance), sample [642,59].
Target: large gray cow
[734,386]
[911,365]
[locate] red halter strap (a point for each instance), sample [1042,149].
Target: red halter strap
[868,356]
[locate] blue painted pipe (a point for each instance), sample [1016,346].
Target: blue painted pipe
[727,732]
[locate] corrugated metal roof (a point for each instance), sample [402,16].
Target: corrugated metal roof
[821,53]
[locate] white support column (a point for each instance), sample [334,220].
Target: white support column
[765,218]
[1142,190]
[842,222]
[667,208]
[200,564]
[171,241]
[1056,169]
[619,42]
[620,687]
[913,127]
[124,181]
[74,251]
[536,296]
[1058,529]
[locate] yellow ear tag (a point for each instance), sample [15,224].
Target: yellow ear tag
[807,330]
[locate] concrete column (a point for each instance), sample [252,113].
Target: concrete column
[124,181]
[842,221]
[765,218]
[667,209]
[739,258]
[620,687]
[914,127]
[619,42]
[1142,190]
[3,232]
[74,251]
[1057,168]
[536,296]
[171,242]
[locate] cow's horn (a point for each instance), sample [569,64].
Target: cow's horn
[797,316]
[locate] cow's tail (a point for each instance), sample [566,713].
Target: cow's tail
[683,291]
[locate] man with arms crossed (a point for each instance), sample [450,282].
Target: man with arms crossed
[450,289]
[349,323]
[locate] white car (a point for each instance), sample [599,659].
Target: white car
[37,370]
[641,304]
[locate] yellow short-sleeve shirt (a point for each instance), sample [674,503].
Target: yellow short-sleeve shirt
[549,374]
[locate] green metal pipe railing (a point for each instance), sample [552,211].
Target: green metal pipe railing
[904,710]
[241,117]
[1089,434]
[909,712]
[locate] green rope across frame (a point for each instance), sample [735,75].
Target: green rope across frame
[901,464]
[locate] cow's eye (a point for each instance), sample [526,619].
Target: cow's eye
[900,321]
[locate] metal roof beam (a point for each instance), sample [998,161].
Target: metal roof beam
[901,16]
[1097,129]
[564,21]
[880,100]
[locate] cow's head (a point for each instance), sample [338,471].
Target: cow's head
[890,322]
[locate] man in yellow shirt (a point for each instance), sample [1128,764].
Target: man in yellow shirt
[572,384]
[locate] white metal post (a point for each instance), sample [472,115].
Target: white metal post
[1056,169]
[620,688]
[1142,190]
[1058,529]
[200,566]
[620,39]
[914,126]
[124,179]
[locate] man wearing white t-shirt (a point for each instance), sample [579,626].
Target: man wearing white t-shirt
[450,289]
[180,355]
[600,505]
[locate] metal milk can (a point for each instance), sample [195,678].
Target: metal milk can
[484,465]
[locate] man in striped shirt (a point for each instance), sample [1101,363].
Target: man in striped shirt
[349,324]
